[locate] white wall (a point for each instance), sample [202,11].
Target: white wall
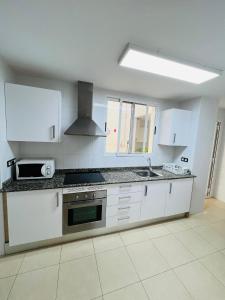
[204,116]
[219,173]
[7,151]
[203,151]
[192,105]
[88,152]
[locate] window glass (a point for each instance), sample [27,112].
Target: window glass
[130,127]
[125,124]
[112,126]
[139,128]
[150,129]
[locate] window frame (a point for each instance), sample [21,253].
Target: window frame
[131,133]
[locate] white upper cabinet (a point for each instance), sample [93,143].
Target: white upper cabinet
[175,127]
[32,114]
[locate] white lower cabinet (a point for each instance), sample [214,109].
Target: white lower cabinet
[148,200]
[179,196]
[154,200]
[124,204]
[34,216]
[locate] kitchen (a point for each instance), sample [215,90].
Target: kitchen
[109,179]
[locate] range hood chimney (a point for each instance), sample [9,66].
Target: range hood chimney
[84,125]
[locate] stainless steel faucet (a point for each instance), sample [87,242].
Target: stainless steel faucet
[149,163]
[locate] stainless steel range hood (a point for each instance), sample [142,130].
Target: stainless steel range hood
[84,125]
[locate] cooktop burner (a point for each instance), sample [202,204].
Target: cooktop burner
[89,177]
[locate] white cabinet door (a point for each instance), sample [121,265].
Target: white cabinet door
[34,216]
[32,114]
[179,196]
[175,127]
[154,201]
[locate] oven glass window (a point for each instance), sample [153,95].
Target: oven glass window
[30,170]
[87,214]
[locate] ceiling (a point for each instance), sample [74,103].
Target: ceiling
[83,39]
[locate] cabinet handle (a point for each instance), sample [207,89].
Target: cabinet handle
[124,218]
[57,201]
[127,207]
[170,188]
[146,190]
[174,138]
[105,126]
[53,132]
[125,186]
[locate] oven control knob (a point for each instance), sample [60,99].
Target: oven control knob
[94,195]
[77,197]
[86,196]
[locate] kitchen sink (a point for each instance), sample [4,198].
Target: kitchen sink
[147,173]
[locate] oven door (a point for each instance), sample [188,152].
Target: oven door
[84,215]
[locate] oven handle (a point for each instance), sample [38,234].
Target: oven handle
[74,204]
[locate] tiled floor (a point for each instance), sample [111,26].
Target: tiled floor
[182,260]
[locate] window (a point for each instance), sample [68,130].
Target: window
[130,127]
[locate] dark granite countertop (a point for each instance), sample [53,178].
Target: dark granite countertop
[112,176]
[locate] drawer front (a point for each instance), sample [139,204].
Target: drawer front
[130,217]
[125,188]
[123,210]
[123,199]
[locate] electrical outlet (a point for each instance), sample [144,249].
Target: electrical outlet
[185,159]
[11,162]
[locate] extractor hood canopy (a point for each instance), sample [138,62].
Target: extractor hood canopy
[84,125]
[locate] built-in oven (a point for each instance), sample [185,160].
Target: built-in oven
[84,211]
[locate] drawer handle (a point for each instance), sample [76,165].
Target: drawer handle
[121,219]
[125,197]
[125,186]
[127,207]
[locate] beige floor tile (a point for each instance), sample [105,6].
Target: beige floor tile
[36,285]
[215,263]
[133,236]
[166,286]
[115,269]
[219,227]
[77,249]
[173,250]
[212,236]
[195,243]
[132,292]
[5,287]
[176,226]
[200,283]
[41,258]
[78,279]
[154,231]
[108,242]
[200,219]
[10,265]
[194,221]
[147,259]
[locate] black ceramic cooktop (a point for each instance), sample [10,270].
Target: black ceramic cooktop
[89,177]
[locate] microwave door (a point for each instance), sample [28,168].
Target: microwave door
[31,171]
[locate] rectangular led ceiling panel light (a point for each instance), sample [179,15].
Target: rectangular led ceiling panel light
[137,59]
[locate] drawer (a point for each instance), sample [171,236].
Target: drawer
[131,217]
[122,199]
[125,188]
[123,210]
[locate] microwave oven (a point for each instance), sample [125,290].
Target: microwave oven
[35,169]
